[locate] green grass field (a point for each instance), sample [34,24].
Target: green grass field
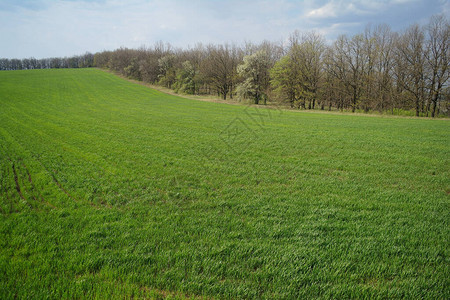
[110,189]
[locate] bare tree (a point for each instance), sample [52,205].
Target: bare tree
[384,40]
[338,64]
[220,67]
[437,58]
[410,58]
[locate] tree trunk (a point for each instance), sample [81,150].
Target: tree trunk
[354,100]
[433,111]
[417,107]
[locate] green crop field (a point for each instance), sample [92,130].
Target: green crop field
[109,189]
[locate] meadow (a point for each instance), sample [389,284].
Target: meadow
[110,189]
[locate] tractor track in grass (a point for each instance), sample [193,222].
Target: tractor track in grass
[17,184]
[19,191]
[61,187]
[53,176]
[30,180]
[33,188]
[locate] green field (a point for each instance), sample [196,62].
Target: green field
[110,189]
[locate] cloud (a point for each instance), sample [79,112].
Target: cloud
[341,8]
[445,7]
[402,1]
[326,11]
[335,8]
[333,30]
[43,28]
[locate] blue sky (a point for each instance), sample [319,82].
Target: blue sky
[47,28]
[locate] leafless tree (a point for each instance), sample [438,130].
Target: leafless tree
[410,59]
[437,59]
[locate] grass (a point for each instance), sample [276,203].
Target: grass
[110,189]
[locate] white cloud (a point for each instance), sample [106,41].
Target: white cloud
[402,1]
[340,8]
[445,7]
[326,11]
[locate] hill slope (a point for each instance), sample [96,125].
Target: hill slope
[111,189]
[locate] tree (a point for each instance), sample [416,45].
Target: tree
[332,87]
[437,59]
[102,59]
[255,73]
[148,64]
[410,61]
[167,70]
[311,50]
[285,80]
[338,69]
[219,68]
[354,56]
[383,94]
[186,79]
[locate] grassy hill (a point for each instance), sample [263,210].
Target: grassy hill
[110,189]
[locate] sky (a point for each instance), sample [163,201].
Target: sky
[58,28]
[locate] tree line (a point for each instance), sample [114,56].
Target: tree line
[376,70]
[77,61]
